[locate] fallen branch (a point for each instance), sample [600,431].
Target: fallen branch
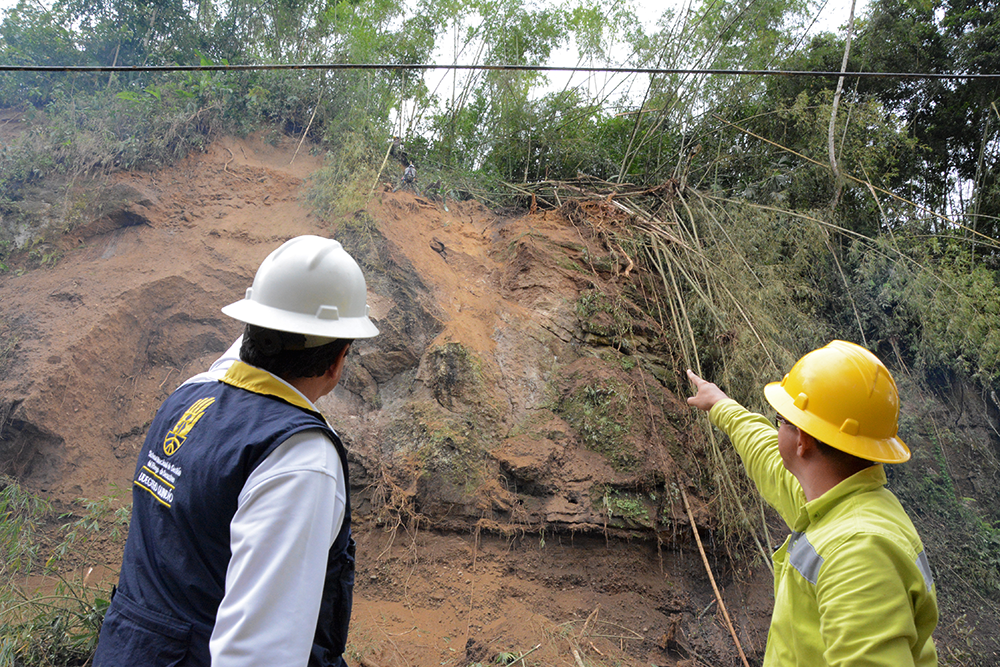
[592,616]
[308,125]
[711,577]
[526,654]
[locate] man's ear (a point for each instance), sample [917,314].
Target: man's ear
[806,445]
[338,363]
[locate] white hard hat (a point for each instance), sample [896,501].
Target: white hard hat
[310,285]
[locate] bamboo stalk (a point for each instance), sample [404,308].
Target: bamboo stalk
[309,125]
[833,112]
[526,654]
[379,175]
[991,242]
[711,578]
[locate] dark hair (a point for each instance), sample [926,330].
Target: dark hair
[841,457]
[282,353]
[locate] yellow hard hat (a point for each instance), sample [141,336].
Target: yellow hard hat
[844,396]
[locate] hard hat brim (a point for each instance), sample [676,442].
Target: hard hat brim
[252,312]
[882,450]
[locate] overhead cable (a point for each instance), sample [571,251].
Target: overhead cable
[490,68]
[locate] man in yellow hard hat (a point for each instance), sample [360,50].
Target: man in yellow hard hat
[852,584]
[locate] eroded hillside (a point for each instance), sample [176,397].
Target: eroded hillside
[520,447]
[514,455]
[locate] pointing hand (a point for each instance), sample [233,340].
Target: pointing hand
[706,395]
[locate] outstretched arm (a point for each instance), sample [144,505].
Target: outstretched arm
[756,441]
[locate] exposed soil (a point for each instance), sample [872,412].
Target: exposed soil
[517,462]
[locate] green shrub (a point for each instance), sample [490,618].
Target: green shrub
[58,624]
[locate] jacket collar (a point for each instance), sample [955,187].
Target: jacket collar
[261,382]
[869,479]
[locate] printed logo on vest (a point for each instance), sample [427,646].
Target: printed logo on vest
[178,434]
[161,489]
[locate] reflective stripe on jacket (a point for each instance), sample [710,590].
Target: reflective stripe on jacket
[852,584]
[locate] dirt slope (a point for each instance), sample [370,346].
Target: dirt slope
[517,459]
[131,307]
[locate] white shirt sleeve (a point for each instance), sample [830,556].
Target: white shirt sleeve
[288,516]
[220,365]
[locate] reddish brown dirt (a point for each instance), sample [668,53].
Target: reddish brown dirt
[435,599]
[128,311]
[130,306]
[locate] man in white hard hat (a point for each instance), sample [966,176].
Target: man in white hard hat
[240,549]
[852,584]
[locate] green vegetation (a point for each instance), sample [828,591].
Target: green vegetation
[605,316]
[631,509]
[451,435]
[21,514]
[452,451]
[599,414]
[478,129]
[49,615]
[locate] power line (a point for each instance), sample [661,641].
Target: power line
[491,68]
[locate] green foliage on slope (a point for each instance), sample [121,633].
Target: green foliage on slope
[49,614]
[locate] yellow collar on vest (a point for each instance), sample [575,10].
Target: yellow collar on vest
[259,381]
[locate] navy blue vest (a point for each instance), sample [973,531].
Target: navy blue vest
[203,444]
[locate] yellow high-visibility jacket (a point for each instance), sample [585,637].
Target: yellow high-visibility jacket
[852,584]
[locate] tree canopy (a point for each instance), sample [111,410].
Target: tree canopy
[914,156]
